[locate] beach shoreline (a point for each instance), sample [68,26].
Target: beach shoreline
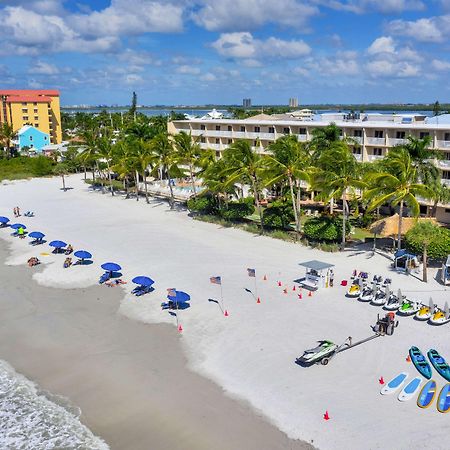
[129,379]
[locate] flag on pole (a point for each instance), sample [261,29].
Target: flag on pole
[171,292]
[215,280]
[251,273]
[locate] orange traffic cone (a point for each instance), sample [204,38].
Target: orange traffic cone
[258,301]
[265,278]
[309,293]
[381,380]
[300,296]
[180,328]
[408,358]
[226,313]
[293,287]
[326,416]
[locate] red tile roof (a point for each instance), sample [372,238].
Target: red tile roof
[30,92]
[28,99]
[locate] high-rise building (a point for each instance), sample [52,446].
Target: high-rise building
[38,108]
[293,102]
[247,103]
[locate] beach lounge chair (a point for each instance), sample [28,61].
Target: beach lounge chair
[143,290]
[104,278]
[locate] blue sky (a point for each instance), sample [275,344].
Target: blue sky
[210,51]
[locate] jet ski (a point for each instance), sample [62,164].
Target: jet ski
[394,301]
[381,296]
[368,293]
[314,355]
[440,316]
[408,307]
[355,289]
[426,312]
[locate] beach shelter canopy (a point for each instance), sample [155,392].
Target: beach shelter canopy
[82,254]
[57,244]
[110,267]
[16,226]
[179,297]
[4,219]
[388,226]
[403,252]
[316,265]
[36,235]
[143,281]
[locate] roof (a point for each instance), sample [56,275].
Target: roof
[436,120]
[447,263]
[29,92]
[316,265]
[28,99]
[260,117]
[389,225]
[26,128]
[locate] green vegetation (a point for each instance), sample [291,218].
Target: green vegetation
[325,228]
[22,167]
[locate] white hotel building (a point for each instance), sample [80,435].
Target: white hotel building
[374,133]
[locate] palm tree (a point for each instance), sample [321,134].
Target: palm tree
[90,154]
[324,137]
[244,165]
[440,194]
[398,184]
[105,151]
[123,164]
[338,176]
[142,158]
[290,161]
[188,153]
[62,170]
[7,134]
[164,158]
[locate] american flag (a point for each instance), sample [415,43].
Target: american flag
[215,280]
[251,272]
[171,292]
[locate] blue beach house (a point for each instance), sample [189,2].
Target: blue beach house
[32,138]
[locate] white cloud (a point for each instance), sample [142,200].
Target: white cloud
[441,66]
[384,44]
[188,70]
[433,29]
[133,79]
[242,15]
[389,68]
[368,6]
[244,45]
[43,68]
[208,77]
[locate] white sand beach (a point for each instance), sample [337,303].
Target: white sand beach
[250,353]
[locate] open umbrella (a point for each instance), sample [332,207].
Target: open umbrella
[36,235]
[111,267]
[4,219]
[57,244]
[179,297]
[16,226]
[143,281]
[82,254]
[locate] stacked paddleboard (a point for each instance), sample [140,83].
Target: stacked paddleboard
[429,390]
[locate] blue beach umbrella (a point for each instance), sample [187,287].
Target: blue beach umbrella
[16,226]
[57,244]
[110,267]
[36,235]
[82,254]
[4,219]
[179,297]
[143,281]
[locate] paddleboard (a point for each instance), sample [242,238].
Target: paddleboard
[443,402]
[45,254]
[427,394]
[394,384]
[410,389]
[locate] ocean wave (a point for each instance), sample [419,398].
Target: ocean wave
[33,419]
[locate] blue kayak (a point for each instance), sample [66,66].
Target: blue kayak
[439,363]
[419,361]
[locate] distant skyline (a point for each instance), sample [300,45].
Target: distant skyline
[208,52]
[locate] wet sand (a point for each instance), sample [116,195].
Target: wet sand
[129,379]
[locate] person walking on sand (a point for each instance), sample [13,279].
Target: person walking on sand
[15,212]
[331,278]
[18,211]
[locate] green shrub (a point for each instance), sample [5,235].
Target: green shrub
[202,205]
[436,237]
[325,228]
[41,166]
[278,215]
[237,210]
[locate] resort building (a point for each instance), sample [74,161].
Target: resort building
[373,134]
[38,108]
[32,139]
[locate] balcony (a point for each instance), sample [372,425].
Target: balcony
[443,144]
[372,158]
[302,137]
[446,181]
[206,146]
[357,139]
[358,156]
[375,141]
[444,164]
[396,141]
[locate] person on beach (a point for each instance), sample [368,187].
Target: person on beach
[69,250]
[33,261]
[15,212]
[67,263]
[331,277]
[18,211]
[21,233]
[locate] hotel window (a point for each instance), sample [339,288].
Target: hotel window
[446,175]
[271,129]
[203,140]
[257,129]
[230,128]
[424,134]
[378,133]
[217,141]
[36,117]
[217,154]
[217,127]
[356,150]
[229,141]
[357,133]
[35,110]
[25,118]
[447,156]
[24,110]
[202,127]
[302,131]
[400,135]
[377,152]
[24,103]
[36,125]
[447,137]
[255,143]
[286,130]
[243,129]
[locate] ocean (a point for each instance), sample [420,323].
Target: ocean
[31,418]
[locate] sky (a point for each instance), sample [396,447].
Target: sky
[195,52]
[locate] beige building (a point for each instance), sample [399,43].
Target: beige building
[38,108]
[374,134]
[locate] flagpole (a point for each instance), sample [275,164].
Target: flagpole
[221,295]
[256,288]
